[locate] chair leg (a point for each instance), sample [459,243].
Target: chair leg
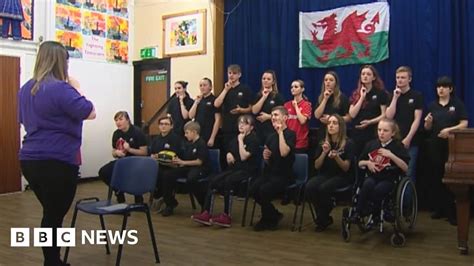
[303,199]
[246,203]
[152,235]
[102,224]
[311,208]
[253,212]
[193,204]
[297,205]
[124,226]
[73,224]
[301,216]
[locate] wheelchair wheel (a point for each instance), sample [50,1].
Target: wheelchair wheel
[345,225]
[397,240]
[406,209]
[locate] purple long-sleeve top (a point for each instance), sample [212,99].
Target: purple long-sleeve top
[53,121]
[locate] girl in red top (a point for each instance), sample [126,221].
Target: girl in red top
[299,113]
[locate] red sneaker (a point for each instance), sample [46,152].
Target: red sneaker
[223,220]
[202,218]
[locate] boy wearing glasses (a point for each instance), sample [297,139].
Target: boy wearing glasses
[167,140]
[242,163]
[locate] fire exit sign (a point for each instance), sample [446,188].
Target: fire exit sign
[148,52]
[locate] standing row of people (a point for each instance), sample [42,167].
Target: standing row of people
[367,106]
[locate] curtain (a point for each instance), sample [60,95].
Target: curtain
[433,37]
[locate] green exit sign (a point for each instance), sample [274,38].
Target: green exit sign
[155,78]
[148,52]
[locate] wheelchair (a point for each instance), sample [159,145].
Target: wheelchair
[399,208]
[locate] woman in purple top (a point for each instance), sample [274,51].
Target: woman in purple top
[51,111]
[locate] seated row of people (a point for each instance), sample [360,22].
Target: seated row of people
[333,160]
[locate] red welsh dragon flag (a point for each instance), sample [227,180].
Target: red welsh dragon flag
[348,35]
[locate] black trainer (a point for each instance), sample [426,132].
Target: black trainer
[322,225]
[169,209]
[260,226]
[274,224]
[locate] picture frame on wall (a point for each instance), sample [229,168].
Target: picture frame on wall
[184,33]
[27,25]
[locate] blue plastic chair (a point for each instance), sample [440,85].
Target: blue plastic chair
[134,175]
[214,157]
[300,170]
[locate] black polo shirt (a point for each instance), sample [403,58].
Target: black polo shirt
[241,96]
[170,142]
[174,109]
[329,109]
[396,147]
[446,116]
[341,110]
[206,116]
[197,150]
[134,136]
[407,104]
[266,128]
[371,106]
[251,144]
[281,166]
[330,167]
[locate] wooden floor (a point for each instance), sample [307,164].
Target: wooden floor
[182,242]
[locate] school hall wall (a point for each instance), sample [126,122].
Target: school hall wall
[149,33]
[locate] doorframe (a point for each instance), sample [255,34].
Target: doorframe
[138,67]
[21,130]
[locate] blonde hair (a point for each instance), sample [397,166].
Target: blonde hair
[193,126]
[394,127]
[234,68]
[51,61]
[406,69]
[275,83]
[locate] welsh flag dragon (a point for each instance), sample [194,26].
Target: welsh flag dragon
[348,35]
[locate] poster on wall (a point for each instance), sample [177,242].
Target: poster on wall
[94,29]
[95,5]
[27,24]
[117,51]
[93,23]
[72,41]
[117,28]
[118,8]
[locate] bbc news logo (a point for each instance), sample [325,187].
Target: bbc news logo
[66,237]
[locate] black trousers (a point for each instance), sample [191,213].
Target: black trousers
[373,190]
[192,175]
[264,190]
[106,171]
[442,198]
[54,184]
[319,191]
[225,182]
